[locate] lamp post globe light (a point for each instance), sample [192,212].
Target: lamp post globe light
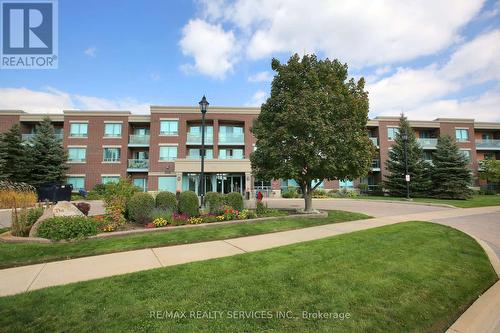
[203,108]
[404,137]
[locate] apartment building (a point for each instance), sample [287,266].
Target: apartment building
[161,151]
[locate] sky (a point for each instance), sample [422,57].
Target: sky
[426,58]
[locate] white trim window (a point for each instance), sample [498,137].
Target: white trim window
[392,132]
[78,182]
[461,134]
[110,179]
[168,153]
[231,154]
[77,155]
[112,130]
[169,127]
[111,154]
[78,130]
[466,153]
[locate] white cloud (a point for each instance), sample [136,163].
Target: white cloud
[257,99]
[422,93]
[264,76]
[213,49]
[91,52]
[359,32]
[51,100]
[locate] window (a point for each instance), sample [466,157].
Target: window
[346,184]
[466,153]
[141,183]
[486,137]
[425,135]
[234,154]
[77,154]
[427,155]
[196,153]
[110,179]
[168,153]
[462,134]
[392,132]
[231,134]
[169,127]
[112,130]
[489,156]
[78,130]
[77,182]
[111,155]
[167,184]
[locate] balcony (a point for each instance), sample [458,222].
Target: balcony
[195,139]
[138,165]
[374,141]
[375,165]
[28,137]
[138,141]
[232,139]
[427,143]
[488,144]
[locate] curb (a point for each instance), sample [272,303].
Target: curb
[377,200]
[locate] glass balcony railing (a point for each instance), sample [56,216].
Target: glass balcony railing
[488,144]
[375,141]
[138,139]
[195,139]
[27,137]
[231,139]
[138,164]
[427,143]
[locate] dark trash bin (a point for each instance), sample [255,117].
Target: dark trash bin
[55,192]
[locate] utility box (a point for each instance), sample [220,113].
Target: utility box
[55,192]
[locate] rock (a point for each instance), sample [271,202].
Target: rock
[62,208]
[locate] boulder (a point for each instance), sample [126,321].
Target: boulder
[62,208]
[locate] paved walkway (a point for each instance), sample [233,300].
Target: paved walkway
[482,316]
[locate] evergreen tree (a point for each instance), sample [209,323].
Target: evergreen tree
[451,176]
[418,168]
[49,156]
[12,155]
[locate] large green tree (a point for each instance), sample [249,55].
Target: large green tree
[451,176]
[313,125]
[49,156]
[490,170]
[13,154]
[418,168]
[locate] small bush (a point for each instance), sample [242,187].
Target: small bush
[319,193]
[140,206]
[161,213]
[251,214]
[290,193]
[99,189]
[160,222]
[214,202]
[166,200]
[67,227]
[179,219]
[188,203]
[19,195]
[235,200]
[260,209]
[23,220]
[83,207]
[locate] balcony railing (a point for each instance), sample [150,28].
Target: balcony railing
[233,139]
[195,139]
[27,137]
[375,141]
[488,144]
[138,164]
[427,143]
[138,140]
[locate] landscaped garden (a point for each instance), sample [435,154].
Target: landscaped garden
[412,276]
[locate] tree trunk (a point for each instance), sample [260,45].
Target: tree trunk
[308,201]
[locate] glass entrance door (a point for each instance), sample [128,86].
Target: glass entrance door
[227,183]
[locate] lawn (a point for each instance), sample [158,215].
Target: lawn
[17,254]
[475,201]
[413,276]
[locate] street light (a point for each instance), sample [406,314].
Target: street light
[404,136]
[203,108]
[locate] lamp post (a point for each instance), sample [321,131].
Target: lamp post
[203,108]
[404,136]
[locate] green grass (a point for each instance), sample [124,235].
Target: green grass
[475,201]
[17,254]
[413,276]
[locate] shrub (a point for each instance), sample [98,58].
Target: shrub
[195,220]
[83,207]
[345,193]
[260,209]
[235,200]
[243,215]
[214,202]
[115,209]
[209,218]
[289,193]
[179,219]
[67,227]
[123,189]
[23,220]
[188,203]
[140,206]
[161,213]
[319,193]
[230,213]
[99,189]
[251,214]
[166,200]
